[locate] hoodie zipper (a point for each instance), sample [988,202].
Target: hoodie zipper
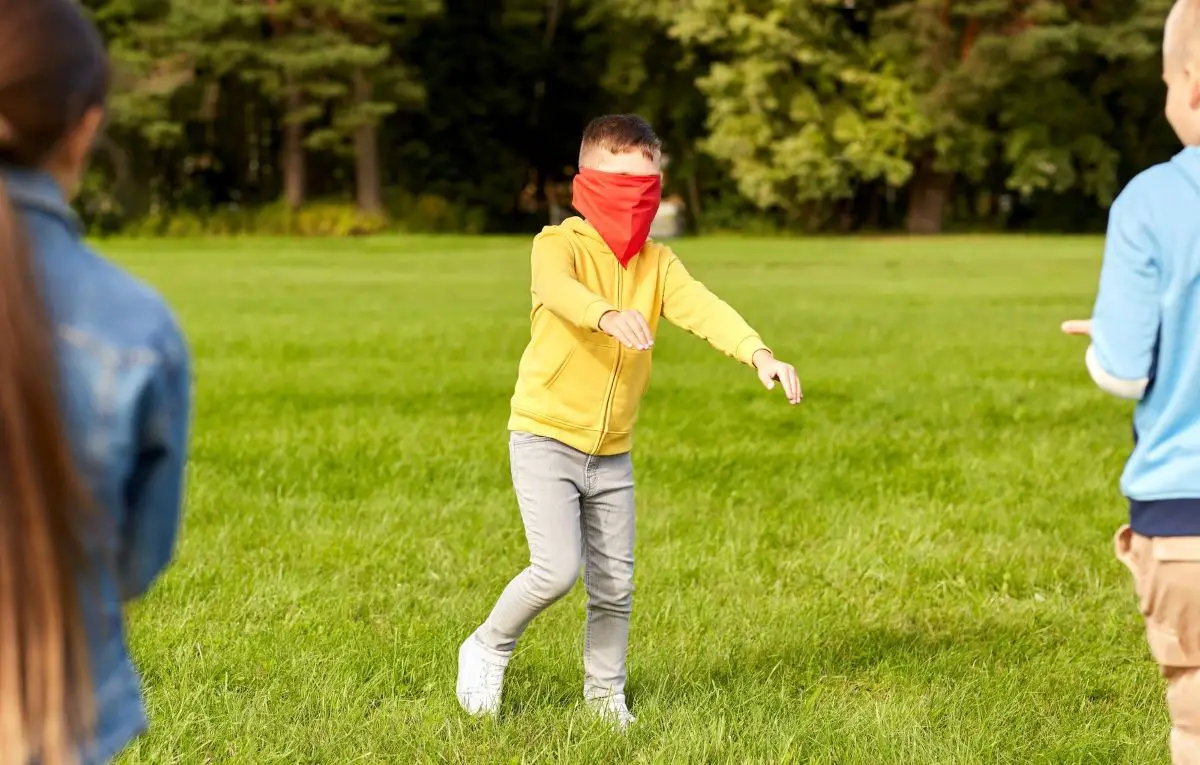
[616,373]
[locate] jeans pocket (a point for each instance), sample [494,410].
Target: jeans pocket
[522,438]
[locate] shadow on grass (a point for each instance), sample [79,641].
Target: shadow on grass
[793,663]
[926,656]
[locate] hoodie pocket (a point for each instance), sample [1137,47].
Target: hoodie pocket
[576,393]
[558,372]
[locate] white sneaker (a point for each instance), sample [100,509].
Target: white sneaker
[480,678]
[612,710]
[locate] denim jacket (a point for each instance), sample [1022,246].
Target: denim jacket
[126,392]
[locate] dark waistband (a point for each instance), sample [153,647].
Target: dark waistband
[1165,517]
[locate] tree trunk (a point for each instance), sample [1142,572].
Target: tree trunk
[294,180]
[875,202]
[695,214]
[366,153]
[927,197]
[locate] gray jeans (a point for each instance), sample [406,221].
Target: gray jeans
[578,513]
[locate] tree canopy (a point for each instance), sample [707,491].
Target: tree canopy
[803,114]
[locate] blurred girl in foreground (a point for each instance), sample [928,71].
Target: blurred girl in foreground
[94,411]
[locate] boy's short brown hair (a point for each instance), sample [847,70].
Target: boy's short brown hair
[620,133]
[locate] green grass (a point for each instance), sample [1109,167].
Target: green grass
[913,567]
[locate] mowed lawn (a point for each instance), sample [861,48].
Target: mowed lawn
[914,566]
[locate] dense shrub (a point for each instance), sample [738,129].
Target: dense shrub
[416,213]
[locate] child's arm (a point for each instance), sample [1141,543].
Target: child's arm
[1125,320]
[557,285]
[688,304]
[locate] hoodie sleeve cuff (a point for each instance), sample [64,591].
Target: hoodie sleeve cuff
[748,347]
[1132,390]
[592,314]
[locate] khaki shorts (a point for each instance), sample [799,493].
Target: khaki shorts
[1166,575]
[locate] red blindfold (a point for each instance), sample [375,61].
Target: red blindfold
[620,207]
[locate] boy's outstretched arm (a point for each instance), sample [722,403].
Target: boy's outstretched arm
[688,304]
[1125,320]
[557,285]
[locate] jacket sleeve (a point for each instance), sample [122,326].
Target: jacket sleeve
[688,304]
[1126,316]
[154,489]
[556,284]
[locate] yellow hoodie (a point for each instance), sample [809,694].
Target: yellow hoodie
[580,386]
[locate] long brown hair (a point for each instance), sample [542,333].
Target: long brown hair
[53,71]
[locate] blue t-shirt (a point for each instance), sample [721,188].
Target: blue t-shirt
[1146,328]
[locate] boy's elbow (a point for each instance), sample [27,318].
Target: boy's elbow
[1132,390]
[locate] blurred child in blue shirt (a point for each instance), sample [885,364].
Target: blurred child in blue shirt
[1145,346]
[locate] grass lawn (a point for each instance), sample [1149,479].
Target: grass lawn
[914,566]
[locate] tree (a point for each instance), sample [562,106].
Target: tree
[169,61]
[281,76]
[338,59]
[1021,82]
[800,108]
[808,101]
[876,113]
[651,74]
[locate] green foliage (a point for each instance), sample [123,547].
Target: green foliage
[810,101]
[799,108]
[318,45]
[422,213]
[1022,83]
[169,58]
[326,220]
[433,214]
[98,206]
[813,112]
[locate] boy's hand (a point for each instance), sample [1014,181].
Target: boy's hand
[771,369]
[630,328]
[1078,327]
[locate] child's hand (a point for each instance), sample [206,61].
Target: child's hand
[1078,327]
[771,369]
[630,328]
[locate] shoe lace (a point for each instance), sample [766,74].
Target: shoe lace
[494,674]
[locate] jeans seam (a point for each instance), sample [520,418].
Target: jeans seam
[587,586]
